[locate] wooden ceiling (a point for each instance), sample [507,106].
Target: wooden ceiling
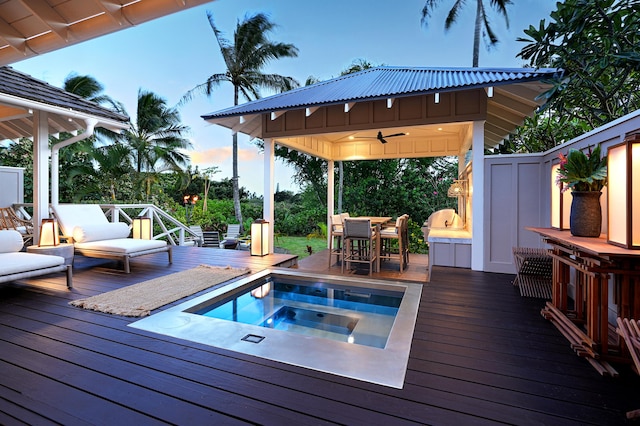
[33,27]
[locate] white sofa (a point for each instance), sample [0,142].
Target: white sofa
[92,235]
[16,265]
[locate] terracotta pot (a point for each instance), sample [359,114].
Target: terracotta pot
[586,214]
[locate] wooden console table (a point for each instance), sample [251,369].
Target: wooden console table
[584,321]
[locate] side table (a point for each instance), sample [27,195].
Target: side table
[62,250]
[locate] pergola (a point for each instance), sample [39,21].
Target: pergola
[438,111]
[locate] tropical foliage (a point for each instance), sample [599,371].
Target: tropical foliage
[245,58]
[481,21]
[597,44]
[581,171]
[156,140]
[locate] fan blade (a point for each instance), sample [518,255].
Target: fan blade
[381,139]
[395,134]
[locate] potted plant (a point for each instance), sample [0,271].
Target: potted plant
[585,174]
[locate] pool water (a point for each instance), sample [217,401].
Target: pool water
[319,309]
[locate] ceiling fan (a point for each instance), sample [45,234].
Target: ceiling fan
[381,137]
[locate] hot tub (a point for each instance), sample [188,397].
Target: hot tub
[354,327]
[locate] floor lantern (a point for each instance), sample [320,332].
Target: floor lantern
[141,228]
[49,233]
[560,201]
[260,238]
[623,186]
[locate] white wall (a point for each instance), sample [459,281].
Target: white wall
[517,190]
[514,200]
[12,185]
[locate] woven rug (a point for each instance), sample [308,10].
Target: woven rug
[139,300]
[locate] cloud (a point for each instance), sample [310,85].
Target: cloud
[218,156]
[211,156]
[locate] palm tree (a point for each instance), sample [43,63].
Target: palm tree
[481,19]
[245,58]
[76,160]
[88,88]
[156,139]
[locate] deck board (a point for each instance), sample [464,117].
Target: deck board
[481,354]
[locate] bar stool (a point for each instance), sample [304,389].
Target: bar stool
[359,243]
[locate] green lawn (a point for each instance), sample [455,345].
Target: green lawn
[298,245]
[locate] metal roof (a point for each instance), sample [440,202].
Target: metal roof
[21,94]
[385,82]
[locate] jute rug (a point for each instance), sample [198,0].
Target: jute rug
[139,300]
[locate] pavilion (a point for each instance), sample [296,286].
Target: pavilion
[433,111]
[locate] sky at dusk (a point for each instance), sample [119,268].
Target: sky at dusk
[171,55]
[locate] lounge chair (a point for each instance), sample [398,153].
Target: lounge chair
[196,239]
[86,226]
[16,264]
[231,237]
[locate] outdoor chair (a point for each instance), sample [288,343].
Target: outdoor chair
[533,272]
[359,243]
[211,239]
[9,219]
[231,237]
[335,237]
[629,330]
[394,242]
[197,237]
[87,227]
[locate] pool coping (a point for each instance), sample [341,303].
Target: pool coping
[385,367]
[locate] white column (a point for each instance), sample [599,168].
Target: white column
[477,200]
[330,197]
[40,171]
[269,188]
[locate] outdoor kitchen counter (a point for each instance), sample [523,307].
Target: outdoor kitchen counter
[449,247]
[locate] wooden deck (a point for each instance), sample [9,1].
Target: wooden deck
[481,354]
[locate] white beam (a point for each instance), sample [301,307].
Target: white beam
[330,198]
[348,106]
[390,102]
[268,199]
[477,197]
[40,171]
[490,92]
[276,114]
[310,110]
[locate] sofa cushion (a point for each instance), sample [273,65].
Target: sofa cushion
[13,263]
[99,232]
[10,241]
[72,215]
[121,246]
